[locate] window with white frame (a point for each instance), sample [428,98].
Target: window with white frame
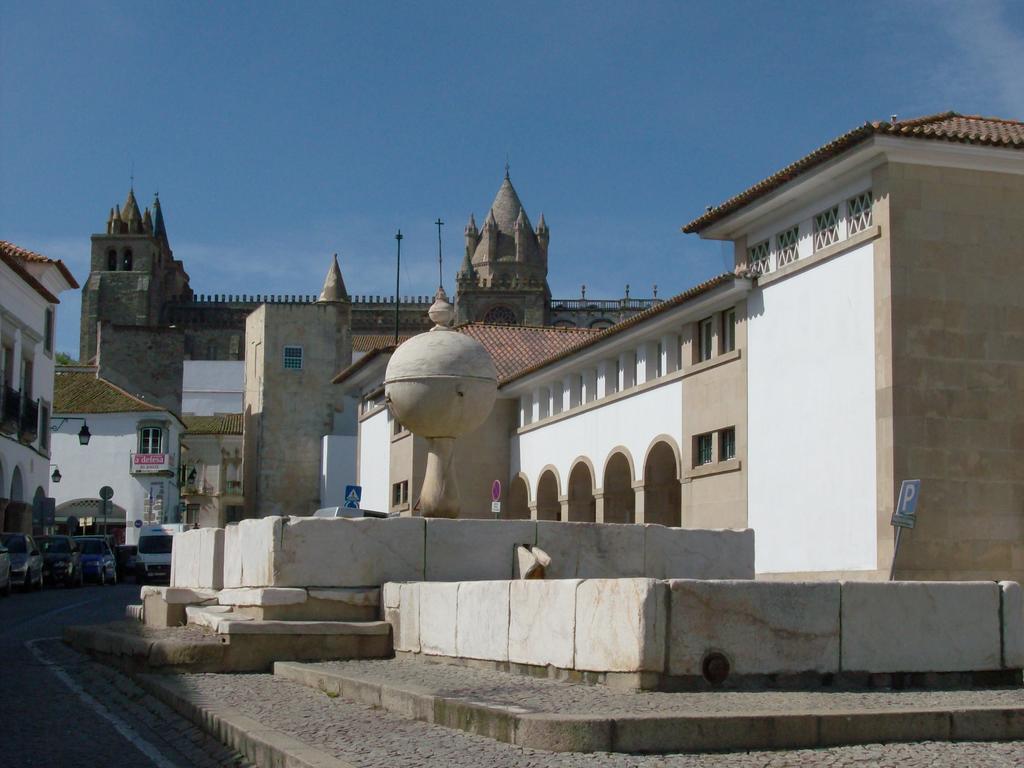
[858,213]
[704,335]
[759,257]
[786,245]
[293,358]
[729,330]
[400,493]
[826,228]
[151,440]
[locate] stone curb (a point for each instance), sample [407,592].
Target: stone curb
[266,747]
[696,732]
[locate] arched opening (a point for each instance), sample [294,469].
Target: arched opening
[662,492]
[518,500]
[548,507]
[17,486]
[619,498]
[500,315]
[582,505]
[126,260]
[111,260]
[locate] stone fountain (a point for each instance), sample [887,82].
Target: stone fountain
[441,384]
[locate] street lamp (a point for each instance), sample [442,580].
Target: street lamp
[56,476]
[84,434]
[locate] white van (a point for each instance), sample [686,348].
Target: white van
[153,559]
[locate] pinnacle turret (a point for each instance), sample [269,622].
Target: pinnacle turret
[131,215]
[471,226]
[334,285]
[158,218]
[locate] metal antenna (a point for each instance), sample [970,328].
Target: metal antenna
[398,272]
[440,272]
[507,163]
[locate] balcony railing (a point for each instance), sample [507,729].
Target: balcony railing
[28,429]
[10,410]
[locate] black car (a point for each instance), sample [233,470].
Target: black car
[62,560]
[125,554]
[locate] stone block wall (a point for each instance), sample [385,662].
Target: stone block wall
[660,631]
[147,362]
[952,264]
[341,552]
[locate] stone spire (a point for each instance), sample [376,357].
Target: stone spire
[147,222]
[158,218]
[130,214]
[334,285]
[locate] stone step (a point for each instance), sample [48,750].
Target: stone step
[565,717]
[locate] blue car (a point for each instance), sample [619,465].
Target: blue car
[98,563]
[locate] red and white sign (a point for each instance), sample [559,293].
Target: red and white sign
[149,460]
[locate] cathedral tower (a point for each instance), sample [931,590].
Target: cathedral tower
[132,273]
[503,277]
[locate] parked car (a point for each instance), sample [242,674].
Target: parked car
[125,554]
[62,561]
[26,560]
[5,572]
[98,561]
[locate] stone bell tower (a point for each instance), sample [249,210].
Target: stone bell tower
[132,273]
[504,275]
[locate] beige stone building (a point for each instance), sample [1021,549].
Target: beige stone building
[872,332]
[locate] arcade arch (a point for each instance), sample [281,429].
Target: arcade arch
[619,497]
[548,506]
[518,499]
[662,490]
[582,504]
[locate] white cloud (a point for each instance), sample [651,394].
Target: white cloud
[989,62]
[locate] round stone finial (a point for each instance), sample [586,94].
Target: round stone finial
[441,311]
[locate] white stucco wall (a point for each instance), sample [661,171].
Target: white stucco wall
[811,412]
[337,469]
[106,461]
[212,386]
[375,461]
[22,328]
[633,423]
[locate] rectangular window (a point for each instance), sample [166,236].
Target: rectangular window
[702,450]
[759,257]
[44,427]
[727,444]
[150,440]
[858,213]
[48,331]
[729,330]
[786,244]
[26,379]
[400,493]
[826,228]
[704,340]
[293,358]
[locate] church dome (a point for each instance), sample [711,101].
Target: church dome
[506,222]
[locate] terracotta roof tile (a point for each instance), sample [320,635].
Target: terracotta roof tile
[598,336]
[23,254]
[79,390]
[367,342]
[515,348]
[946,126]
[218,424]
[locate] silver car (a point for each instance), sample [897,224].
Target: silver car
[26,560]
[5,572]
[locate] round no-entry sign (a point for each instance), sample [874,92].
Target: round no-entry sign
[496,490]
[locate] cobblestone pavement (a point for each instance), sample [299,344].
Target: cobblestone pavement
[368,737]
[43,719]
[542,695]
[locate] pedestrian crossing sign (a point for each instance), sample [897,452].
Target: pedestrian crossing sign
[353,493]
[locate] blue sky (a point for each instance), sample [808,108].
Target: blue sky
[278,133]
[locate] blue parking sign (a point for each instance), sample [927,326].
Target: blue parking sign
[353,493]
[905,514]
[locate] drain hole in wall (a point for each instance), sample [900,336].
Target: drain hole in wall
[715,667]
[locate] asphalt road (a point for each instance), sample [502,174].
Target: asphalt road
[58,708]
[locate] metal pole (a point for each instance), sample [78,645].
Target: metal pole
[398,273]
[440,271]
[895,551]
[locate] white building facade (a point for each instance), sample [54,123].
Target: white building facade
[29,288]
[135,449]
